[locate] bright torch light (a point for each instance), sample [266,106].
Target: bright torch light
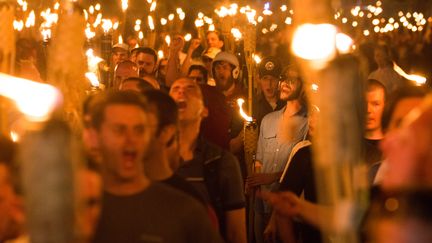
[36,100]
[417,79]
[242,113]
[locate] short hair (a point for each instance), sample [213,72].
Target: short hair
[143,85]
[200,68]
[373,84]
[166,108]
[147,50]
[127,63]
[219,35]
[122,97]
[398,95]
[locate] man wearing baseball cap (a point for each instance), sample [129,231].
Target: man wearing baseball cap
[268,99]
[226,71]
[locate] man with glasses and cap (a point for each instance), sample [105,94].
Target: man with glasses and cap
[279,132]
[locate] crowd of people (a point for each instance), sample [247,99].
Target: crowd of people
[164,145]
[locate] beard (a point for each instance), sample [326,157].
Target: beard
[224,85]
[295,95]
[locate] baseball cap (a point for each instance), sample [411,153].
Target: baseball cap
[121,46]
[270,66]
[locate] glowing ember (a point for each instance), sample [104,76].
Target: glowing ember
[242,113]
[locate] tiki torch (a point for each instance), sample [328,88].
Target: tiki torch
[106,48]
[250,138]
[7,51]
[249,49]
[46,160]
[340,172]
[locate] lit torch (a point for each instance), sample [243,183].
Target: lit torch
[106,47]
[417,79]
[250,138]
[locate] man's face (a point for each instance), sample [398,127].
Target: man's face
[123,72]
[213,40]
[9,210]
[223,75]
[130,85]
[152,123]
[146,64]
[375,107]
[119,55]
[290,86]
[381,57]
[163,67]
[269,86]
[90,196]
[197,76]
[123,140]
[188,97]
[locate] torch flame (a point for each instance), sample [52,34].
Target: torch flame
[168,40]
[151,23]
[18,25]
[92,78]
[14,136]
[419,80]
[36,100]
[30,20]
[163,21]
[106,25]
[242,113]
[153,6]
[236,33]
[124,5]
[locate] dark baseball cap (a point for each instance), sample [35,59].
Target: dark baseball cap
[270,66]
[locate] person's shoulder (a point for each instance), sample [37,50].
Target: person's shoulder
[272,117]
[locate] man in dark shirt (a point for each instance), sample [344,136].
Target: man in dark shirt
[135,209]
[268,99]
[213,171]
[375,100]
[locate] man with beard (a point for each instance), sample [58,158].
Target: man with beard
[279,132]
[226,70]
